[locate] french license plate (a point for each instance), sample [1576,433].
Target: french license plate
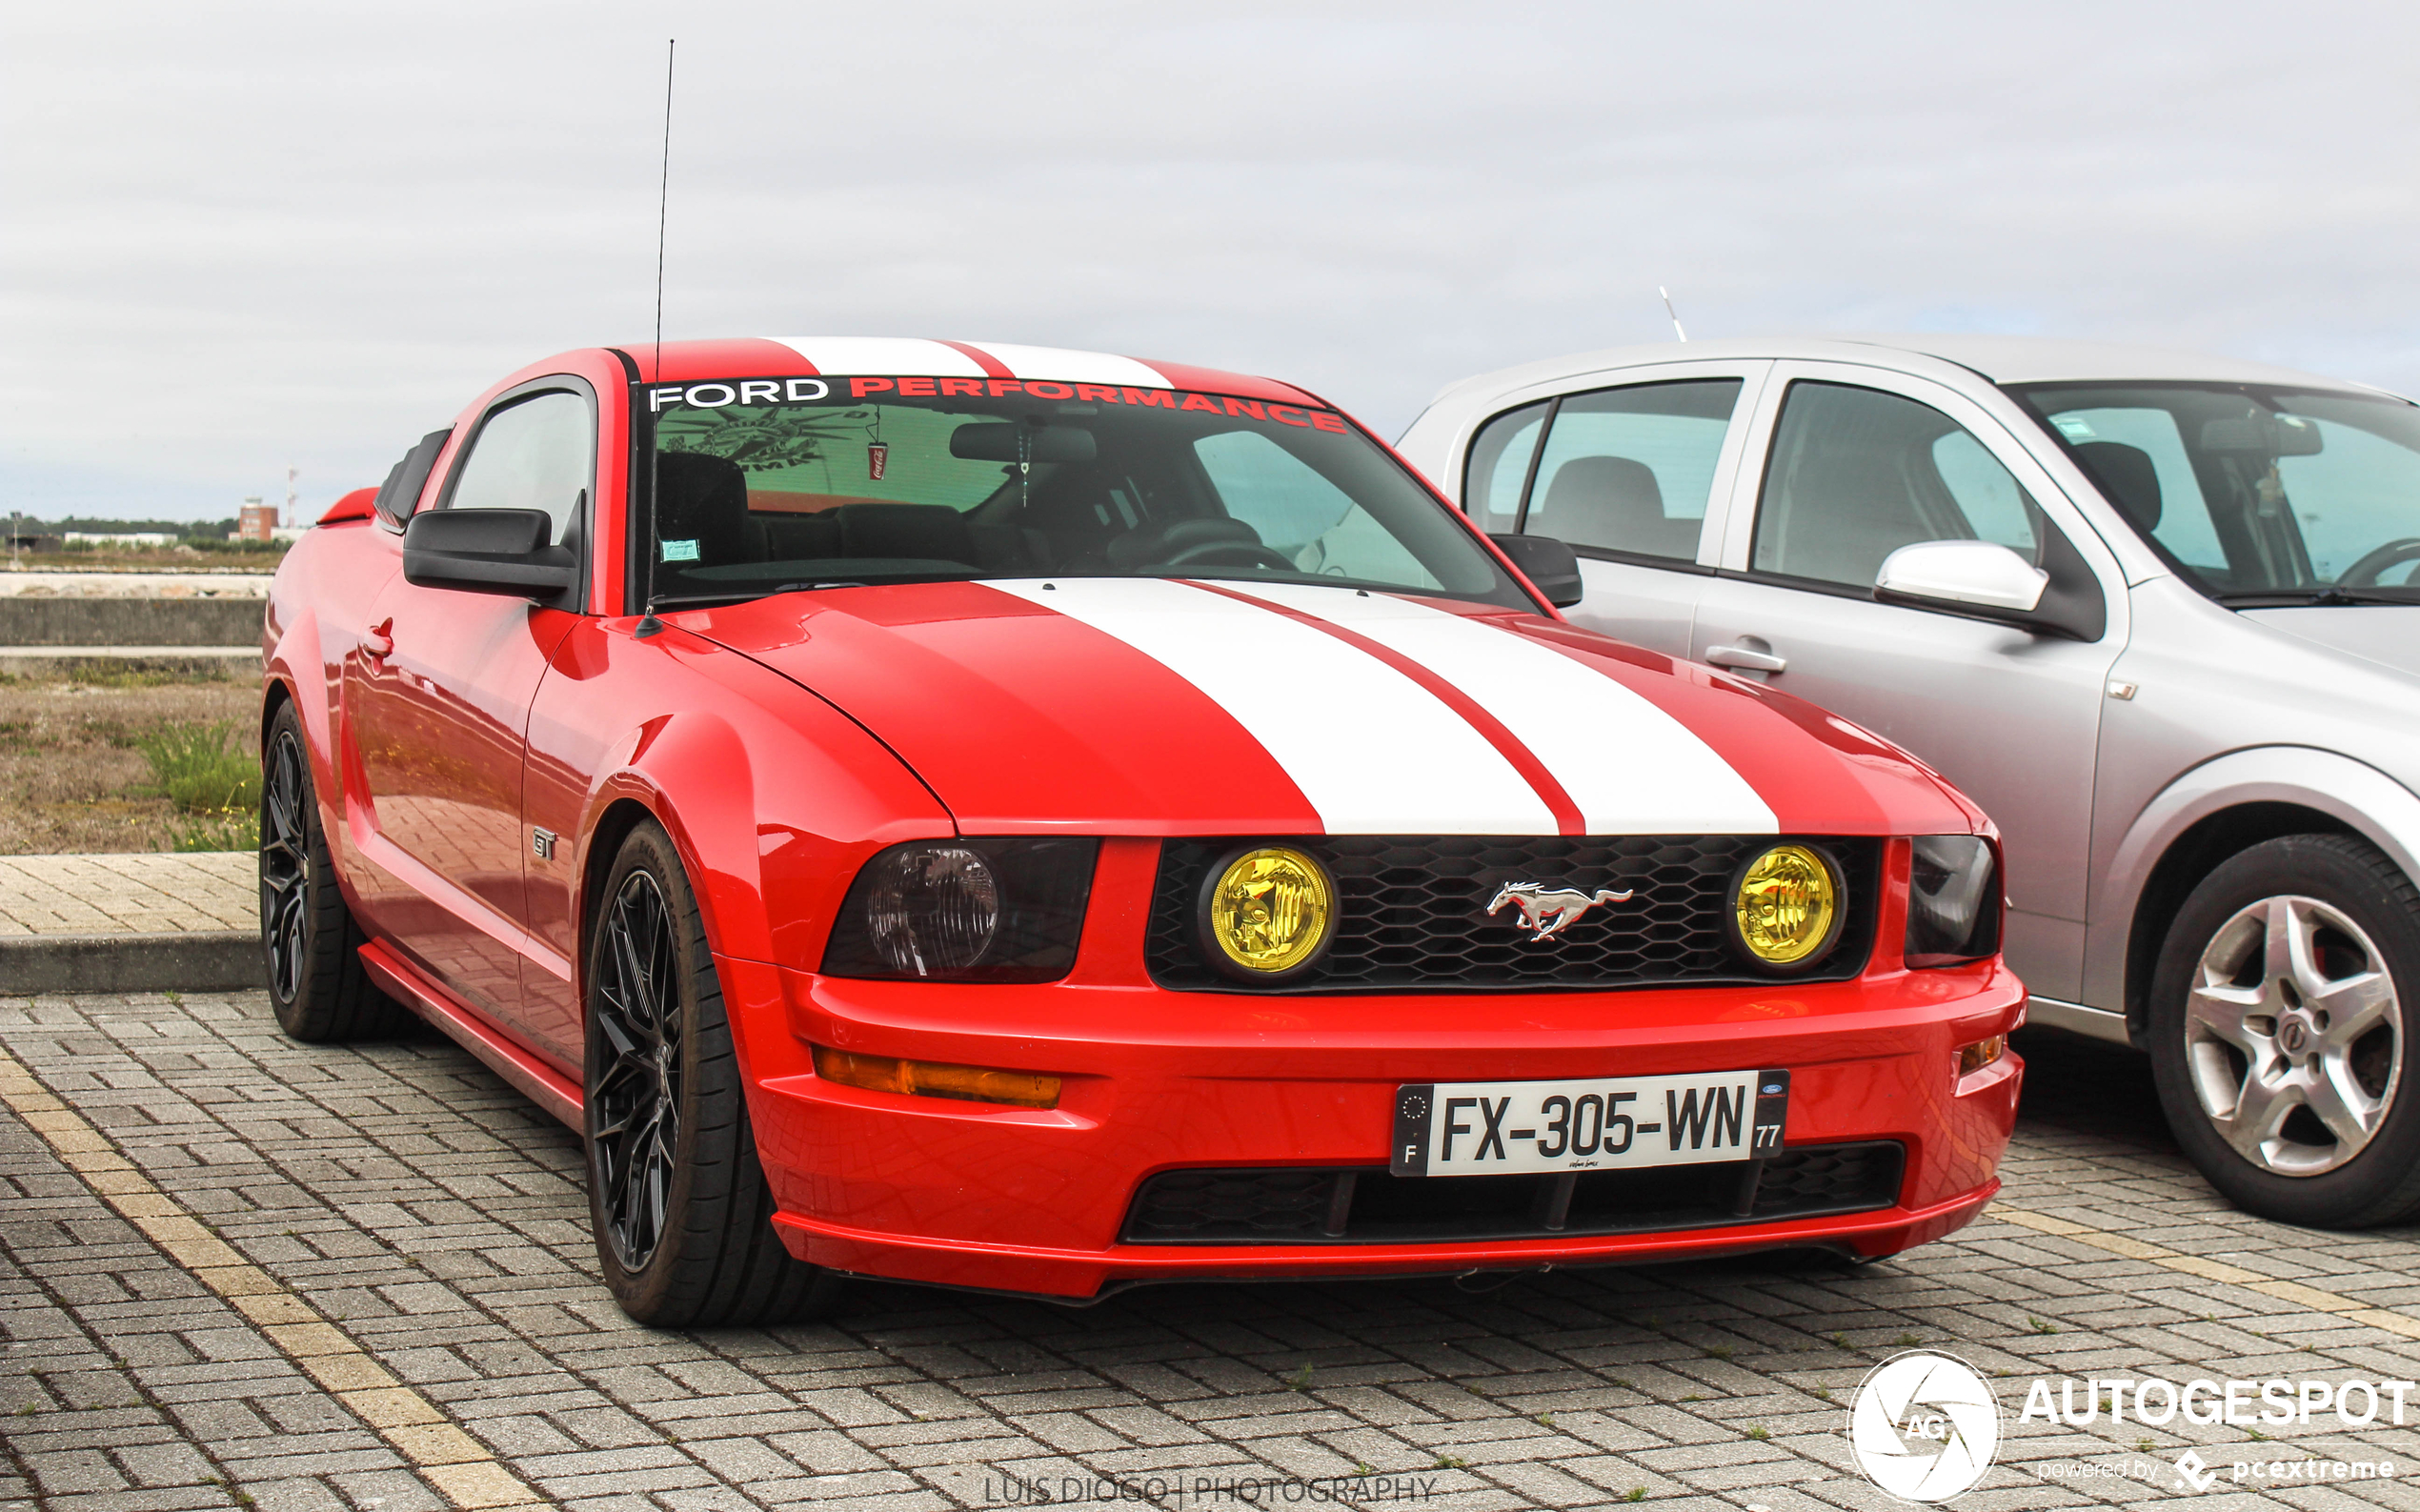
[1602,1124]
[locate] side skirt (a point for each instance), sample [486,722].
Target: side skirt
[537,1080]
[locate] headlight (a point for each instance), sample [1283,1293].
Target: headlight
[1785,907]
[1266,913]
[1953,900]
[965,909]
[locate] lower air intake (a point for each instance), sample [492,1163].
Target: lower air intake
[1368,1205]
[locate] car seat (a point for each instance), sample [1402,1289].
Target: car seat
[704,499]
[1612,502]
[2127,477]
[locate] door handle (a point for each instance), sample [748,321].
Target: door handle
[379,640]
[1740,658]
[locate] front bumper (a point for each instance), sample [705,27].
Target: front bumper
[1031,1200]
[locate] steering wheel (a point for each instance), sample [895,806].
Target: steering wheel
[2365,572]
[1228,554]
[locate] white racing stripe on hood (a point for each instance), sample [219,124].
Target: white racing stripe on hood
[1631,768]
[891,354]
[1375,752]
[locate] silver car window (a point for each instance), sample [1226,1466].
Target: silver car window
[1855,474]
[1630,470]
[1497,469]
[2258,494]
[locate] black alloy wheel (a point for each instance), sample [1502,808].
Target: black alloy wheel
[310,941]
[285,865]
[635,1122]
[682,1213]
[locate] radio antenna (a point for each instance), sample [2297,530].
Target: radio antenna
[1659,289]
[648,623]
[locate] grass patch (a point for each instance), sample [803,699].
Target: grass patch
[200,768]
[212,779]
[223,832]
[166,673]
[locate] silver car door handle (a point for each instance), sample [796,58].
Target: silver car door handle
[1739,659]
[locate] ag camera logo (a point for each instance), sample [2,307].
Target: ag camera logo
[1924,1426]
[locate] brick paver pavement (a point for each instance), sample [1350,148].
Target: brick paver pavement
[162,892]
[392,1253]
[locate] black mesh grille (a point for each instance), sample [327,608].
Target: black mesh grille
[1414,912]
[1368,1205]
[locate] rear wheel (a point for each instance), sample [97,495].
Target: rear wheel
[682,1214]
[309,941]
[2279,1032]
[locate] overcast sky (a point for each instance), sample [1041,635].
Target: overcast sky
[236,237]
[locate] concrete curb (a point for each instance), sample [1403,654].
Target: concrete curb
[131,621]
[218,960]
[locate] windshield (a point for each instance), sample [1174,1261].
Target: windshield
[2258,494]
[825,482]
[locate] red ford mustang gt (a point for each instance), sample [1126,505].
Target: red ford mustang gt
[1043,821]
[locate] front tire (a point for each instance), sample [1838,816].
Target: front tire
[309,941]
[2279,1032]
[681,1212]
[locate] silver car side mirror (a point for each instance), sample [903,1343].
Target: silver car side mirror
[1973,577]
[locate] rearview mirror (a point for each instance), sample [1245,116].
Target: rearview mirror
[1548,563]
[2264,434]
[480,551]
[996,441]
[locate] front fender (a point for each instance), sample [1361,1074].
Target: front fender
[2358,795]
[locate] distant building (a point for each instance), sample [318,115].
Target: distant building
[43,541]
[136,538]
[256,521]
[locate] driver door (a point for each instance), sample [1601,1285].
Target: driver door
[438,704]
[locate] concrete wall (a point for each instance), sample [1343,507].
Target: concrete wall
[27,621]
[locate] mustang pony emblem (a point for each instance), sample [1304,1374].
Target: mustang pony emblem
[1549,911]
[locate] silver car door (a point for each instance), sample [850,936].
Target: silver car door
[1632,475]
[1851,463]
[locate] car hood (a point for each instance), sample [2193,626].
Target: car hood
[1146,706]
[2385,634]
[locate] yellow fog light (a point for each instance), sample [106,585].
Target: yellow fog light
[1787,908]
[1269,911]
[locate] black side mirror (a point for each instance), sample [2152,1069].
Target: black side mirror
[488,551]
[1548,564]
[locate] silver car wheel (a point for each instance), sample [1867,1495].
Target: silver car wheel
[2293,1036]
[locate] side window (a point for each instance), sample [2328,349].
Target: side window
[1856,474]
[1301,515]
[537,453]
[1497,466]
[1630,470]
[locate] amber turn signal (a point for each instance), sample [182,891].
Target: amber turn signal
[1973,1058]
[929,1079]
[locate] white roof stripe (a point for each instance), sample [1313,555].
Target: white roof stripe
[1074,367]
[1375,752]
[882,355]
[1632,768]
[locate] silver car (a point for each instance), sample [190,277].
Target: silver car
[2158,613]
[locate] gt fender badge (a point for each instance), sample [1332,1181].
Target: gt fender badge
[1549,910]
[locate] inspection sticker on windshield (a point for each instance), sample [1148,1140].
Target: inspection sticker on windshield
[1602,1124]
